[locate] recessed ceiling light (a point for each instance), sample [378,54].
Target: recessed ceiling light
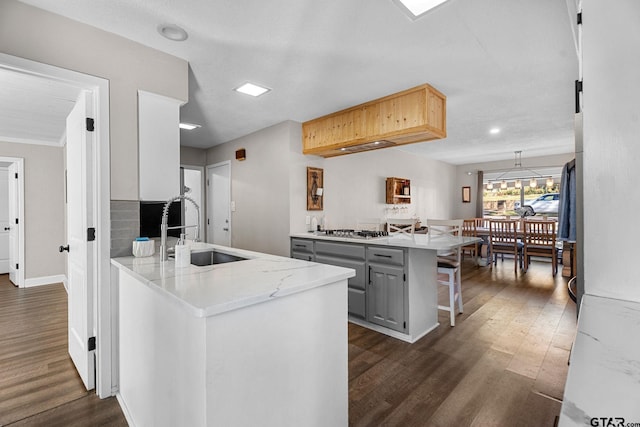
[252,89]
[172,32]
[417,7]
[189,126]
[494,131]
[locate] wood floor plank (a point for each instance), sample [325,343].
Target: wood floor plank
[39,385]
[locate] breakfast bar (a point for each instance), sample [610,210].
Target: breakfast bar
[230,343]
[395,289]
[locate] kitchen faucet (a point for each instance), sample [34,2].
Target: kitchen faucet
[164,226]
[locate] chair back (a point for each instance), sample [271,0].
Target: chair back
[445,227]
[405,226]
[540,233]
[469,228]
[503,232]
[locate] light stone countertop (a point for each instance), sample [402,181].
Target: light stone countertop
[604,375]
[417,241]
[210,290]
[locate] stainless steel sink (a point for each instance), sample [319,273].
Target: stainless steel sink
[212,257]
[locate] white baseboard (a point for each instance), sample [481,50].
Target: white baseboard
[125,410]
[46,280]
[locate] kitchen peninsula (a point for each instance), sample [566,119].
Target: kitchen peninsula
[395,289]
[261,341]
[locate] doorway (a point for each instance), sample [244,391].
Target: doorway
[98,310]
[219,203]
[12,219]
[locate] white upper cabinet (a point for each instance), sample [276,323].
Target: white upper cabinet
[159,146]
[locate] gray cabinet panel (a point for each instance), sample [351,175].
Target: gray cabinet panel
[302,255]
[357,302]
[386,297]
[359,266]
[301,245]
[384,255]
[340,249]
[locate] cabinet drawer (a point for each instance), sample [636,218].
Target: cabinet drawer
[306,256]
[384,255]
[358,280]
[301,245]
[357,302]
[340,249]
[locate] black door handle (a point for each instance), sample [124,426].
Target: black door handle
[64,248]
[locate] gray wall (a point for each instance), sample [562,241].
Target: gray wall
[611,41]
[260,189]
[44,207]
[41,36]
[193,156]
[269,187]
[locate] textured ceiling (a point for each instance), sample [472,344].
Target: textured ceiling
[509,64]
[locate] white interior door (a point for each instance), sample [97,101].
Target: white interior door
[80,146]
[219,208]
[4,220]
[14,224]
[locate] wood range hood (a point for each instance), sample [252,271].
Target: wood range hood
[414,115]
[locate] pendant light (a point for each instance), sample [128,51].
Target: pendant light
[550,182]
[533,183]
[518,183]
[503,185]
[490,185]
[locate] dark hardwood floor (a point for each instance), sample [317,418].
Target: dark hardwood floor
[503,364]
[38,384]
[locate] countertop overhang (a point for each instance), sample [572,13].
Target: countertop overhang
[215,289]
[416,241]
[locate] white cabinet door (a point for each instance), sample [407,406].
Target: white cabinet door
[159,146]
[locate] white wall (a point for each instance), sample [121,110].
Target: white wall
[611,40]
[468,210]
[35,34]
[355,186]
[44,207]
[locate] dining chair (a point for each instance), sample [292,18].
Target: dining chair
[540,241]
[448,263]
[503,239]
[469,230]
[406,226]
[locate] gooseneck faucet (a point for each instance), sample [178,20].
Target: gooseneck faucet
[164,225]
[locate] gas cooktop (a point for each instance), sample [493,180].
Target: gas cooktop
[358,234]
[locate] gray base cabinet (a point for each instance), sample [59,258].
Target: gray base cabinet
[377,293]
[386,293]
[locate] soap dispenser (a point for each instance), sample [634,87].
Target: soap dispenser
[183,252]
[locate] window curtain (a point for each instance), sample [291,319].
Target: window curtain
[479,194]
[567,204]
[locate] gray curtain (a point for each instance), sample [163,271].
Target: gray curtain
[479,191]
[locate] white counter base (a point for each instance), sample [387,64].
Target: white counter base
[281,362]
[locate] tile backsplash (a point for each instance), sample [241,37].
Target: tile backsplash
[125,226]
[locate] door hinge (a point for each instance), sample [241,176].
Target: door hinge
[17,266]
[91,234]
[404,325]
[91,344]
[404,277]
[578,91]
[579,21]
[90,124]
[16,175]
[16,220]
